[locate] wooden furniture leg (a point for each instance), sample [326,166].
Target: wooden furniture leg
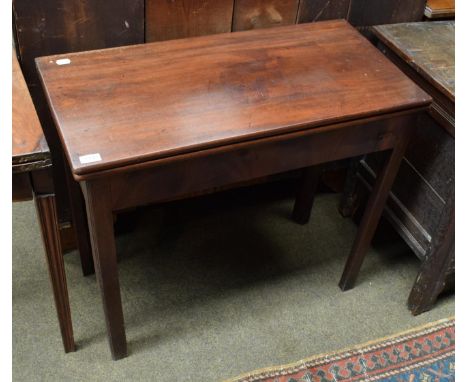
[348,199]
[47,214]
[97,195]
[80,224]
[431,279]
[305,197]
[373,212]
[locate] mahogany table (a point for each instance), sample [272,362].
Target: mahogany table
[32,179]
[156,122]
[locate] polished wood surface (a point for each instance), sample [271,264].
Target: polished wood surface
[241,86]
[256,103]
[47,27]
[429,48]
[437,9]
[28,143]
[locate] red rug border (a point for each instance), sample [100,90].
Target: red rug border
[322,358]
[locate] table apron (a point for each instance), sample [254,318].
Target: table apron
[208,170]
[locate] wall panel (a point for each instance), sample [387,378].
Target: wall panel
[255,14]
[317,10]
[171,19]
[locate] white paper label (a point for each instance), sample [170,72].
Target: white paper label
[63,61]
[90,158]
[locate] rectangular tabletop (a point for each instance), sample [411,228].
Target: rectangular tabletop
[124,106]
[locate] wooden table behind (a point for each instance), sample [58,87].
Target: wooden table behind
[423,196]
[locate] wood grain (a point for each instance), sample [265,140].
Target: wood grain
[28,143]
[429,48]
[249,160]
[437,9]
[242,86]
[317,10]
[167,20]
[255,14]
[60,26]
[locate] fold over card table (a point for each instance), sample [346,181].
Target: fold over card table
[155,122]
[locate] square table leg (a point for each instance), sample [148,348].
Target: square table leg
[305,196]
[80,224]
[348,200]
[101,228]
[47,215]
[374,210]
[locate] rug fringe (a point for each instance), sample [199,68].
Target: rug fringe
[450,321]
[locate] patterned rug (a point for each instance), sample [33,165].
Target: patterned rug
[425,354]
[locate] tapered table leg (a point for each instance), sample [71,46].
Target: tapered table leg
[305,197]
[373,212]
[47,214]
[105,262]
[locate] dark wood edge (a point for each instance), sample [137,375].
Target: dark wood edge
[32,157]
[379,32]
[309,150]
[43,154]
[444,118]
[239,145]
[31,166]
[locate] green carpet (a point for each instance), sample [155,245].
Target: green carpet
[212,288]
